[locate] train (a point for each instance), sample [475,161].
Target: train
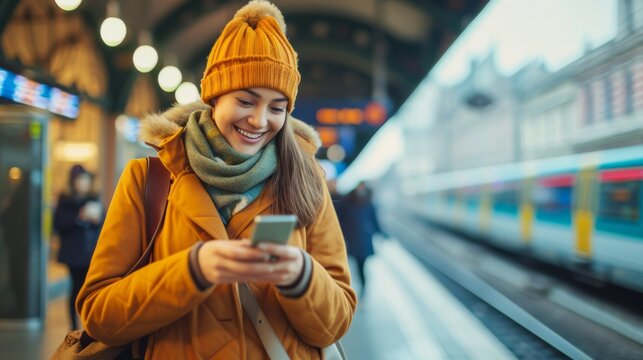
[580,211]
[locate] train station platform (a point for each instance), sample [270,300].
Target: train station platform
[403,313]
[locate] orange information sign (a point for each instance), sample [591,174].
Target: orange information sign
[373,114]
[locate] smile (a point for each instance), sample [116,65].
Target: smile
[249,135]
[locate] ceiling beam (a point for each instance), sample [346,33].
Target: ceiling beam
[316,51]
[183,15]
[325,51]
[187,12]
[329,52]
[450,19]
[337,41]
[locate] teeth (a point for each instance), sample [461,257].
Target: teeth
[249,135]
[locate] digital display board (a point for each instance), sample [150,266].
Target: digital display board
[19,89]
[344,125]
[339,112]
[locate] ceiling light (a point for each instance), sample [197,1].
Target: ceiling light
[169,78]
[71,151]
[68,5]
[113,31]
[145,58]
[187,93]
[15,173]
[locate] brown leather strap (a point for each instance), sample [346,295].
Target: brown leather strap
[157,187]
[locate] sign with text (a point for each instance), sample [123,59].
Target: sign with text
[19,89]
[334,112]
[344,126]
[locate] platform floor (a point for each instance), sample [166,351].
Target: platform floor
[403,313]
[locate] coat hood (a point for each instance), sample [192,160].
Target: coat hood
[157,127]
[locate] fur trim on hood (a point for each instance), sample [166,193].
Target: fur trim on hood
[156,127]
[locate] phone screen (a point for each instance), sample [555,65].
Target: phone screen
[273,228]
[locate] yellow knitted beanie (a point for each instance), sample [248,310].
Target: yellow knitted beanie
[252,51]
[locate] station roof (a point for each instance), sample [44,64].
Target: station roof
[335,39]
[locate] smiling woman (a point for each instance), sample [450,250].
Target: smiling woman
[235,155]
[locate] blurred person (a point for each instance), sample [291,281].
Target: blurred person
[236,155]
[335,196]
[359,223]
[77,220]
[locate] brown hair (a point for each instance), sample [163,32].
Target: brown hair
[297,182]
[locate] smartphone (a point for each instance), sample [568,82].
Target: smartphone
[273,228]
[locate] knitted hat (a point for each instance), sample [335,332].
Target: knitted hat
[252,51]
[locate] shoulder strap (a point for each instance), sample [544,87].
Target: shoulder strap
[157,186]
[267,335]
[269,339]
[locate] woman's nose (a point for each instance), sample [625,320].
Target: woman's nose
[259,119]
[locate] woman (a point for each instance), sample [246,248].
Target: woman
[236,155]
[77,221]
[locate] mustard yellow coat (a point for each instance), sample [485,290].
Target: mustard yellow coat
[161,299]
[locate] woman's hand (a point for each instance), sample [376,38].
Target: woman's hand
[290,257]
[228,261]
[91,212]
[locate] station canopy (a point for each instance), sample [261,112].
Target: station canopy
[338,41]
[352,53]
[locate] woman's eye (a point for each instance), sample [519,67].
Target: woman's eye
[278,109]
[244,102]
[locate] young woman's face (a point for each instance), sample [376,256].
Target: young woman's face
[250,118]
[83,184]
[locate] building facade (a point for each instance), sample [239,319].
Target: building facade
[593,103]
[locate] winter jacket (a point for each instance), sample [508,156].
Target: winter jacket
[77,238]
[162,299]
[359,224]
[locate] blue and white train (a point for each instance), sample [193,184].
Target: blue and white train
[581,211]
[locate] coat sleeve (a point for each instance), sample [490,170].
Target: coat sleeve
[117,309]
[323,314]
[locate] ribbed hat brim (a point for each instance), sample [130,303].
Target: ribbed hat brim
[249,73]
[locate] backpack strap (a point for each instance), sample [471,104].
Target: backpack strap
[157,187]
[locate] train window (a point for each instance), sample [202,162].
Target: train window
[552,198]
[505,198]
[620,200]
[553,203]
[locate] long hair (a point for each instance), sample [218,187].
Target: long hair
[297,182]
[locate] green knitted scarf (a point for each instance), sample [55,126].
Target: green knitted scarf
[232,179]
